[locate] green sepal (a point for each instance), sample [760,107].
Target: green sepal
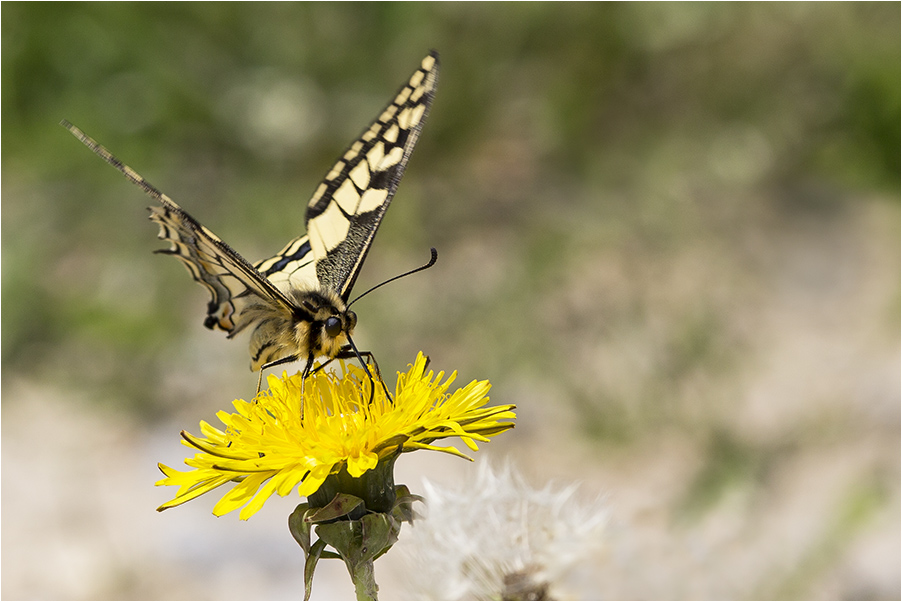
[299,524]
[360,540]
[342,505]
[316,551]
[403,510]
[300,528]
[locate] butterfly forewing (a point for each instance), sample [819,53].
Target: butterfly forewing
[347,207]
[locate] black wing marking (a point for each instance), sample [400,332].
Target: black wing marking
[346,209]
[292,267]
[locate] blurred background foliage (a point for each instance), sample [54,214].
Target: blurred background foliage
[668,232]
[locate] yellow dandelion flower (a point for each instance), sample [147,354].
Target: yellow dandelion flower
[300,432]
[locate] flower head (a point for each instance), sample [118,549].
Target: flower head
[498,538]
[300,431]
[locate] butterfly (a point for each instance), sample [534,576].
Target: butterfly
[295,304]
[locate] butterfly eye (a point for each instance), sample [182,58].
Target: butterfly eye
[333,326]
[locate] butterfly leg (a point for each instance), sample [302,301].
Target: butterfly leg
[372,358]
[321,366]
[278,362]
[347,352]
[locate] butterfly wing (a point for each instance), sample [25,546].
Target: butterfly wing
[292,267]
[342,219]
[231,281]
[347,208]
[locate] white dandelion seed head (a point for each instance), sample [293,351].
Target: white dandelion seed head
[496,537]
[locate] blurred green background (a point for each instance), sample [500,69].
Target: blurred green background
[670,233]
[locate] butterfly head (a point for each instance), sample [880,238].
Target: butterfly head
[324,322]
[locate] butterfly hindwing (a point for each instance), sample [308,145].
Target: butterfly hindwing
[347,207]
[229,278]
[293,266]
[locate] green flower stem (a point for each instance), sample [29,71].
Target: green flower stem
[359,543]
[364,577]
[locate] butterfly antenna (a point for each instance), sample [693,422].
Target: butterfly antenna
[431,263]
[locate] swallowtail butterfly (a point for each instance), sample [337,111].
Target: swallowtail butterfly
[296,302]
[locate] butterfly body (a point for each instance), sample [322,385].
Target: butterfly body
[318,325]
[295,304]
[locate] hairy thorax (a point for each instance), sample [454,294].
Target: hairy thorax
[317,326]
